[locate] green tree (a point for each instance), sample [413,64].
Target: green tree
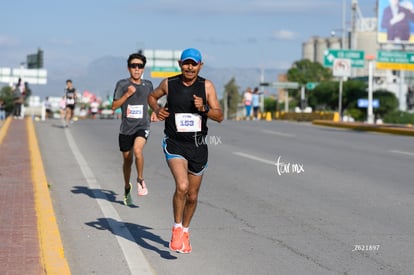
[304,71]
[231,90]
[326,95]
[6,94]
[270,104]
[388,103]
[352,91]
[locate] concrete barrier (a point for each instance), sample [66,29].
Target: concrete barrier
[35,111]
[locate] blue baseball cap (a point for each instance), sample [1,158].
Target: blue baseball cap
[192,54]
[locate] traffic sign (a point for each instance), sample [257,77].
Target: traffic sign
[363,103]
[356,57]
[311,85]
[163,63]
[281,85]
[395,60]
[162,72]
[342,67]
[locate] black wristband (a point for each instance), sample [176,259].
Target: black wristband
[206,109]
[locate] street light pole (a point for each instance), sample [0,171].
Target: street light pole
[370,114]
[343,23]
[341,84]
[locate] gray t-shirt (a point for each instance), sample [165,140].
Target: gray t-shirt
[135,109]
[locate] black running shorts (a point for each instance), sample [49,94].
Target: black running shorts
[126,142]
[195,153]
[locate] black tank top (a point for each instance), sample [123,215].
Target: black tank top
[180,100]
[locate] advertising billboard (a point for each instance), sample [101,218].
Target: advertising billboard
[395,21]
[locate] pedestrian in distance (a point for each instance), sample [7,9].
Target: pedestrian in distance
[48,108]
[71,96]
[17,100]
[2,110]
[62,108]
[131,96]
[247,102]
[191,100]
[256,103]
[94,107]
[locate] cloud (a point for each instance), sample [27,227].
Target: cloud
[283,35]
[61,42]
[214,41]
[7,41]
[234,7]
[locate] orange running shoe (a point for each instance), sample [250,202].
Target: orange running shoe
[186,243]
[176,243]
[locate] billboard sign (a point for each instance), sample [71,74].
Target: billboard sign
[395,27]
[395,60]
[163,63]
[31,76]
[163,72]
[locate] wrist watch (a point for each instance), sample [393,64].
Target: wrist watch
[206,109]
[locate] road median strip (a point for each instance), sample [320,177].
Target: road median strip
[381,128]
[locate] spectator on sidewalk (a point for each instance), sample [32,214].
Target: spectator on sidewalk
[17,100]
[48,108]
[247,101]
[256,103]
[2,110]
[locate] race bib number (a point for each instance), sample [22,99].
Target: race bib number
[135,111]
[186,122]
[70,101]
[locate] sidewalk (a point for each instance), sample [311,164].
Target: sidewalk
[29,239]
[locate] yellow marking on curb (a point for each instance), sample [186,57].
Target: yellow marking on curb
[366,127]
[51,247]
[4,128]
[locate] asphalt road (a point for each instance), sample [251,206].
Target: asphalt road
[277,198]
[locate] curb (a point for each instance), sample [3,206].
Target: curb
[4,127]
[51,247]
[383,128]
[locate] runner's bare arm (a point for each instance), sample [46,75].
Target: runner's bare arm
[161,112]
[118,103]
[215,113]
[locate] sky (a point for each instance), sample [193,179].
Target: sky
[229,33]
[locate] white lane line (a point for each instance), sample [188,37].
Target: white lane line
[278,133]
[136,260]
[255,158]
[402,153]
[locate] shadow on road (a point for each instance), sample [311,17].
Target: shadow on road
[140,234]
[103,194]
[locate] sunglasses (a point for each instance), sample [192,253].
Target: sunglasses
[136,65]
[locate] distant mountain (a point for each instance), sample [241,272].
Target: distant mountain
[101,75]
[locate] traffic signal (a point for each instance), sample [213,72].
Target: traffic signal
[39,58]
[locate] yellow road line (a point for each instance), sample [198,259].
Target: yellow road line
[51,247]
[4,128]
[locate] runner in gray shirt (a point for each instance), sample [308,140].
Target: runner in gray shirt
[131,96]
